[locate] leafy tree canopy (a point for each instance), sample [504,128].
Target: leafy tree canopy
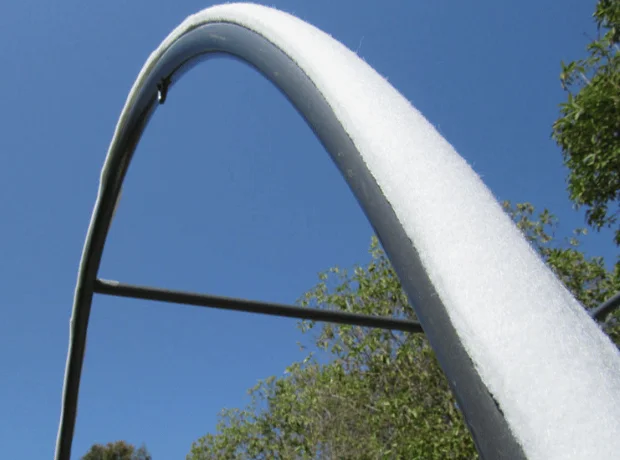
[588,130]
[119,450]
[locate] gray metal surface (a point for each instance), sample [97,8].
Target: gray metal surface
[600,313]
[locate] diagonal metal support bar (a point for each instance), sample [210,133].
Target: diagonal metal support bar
[604,309]
[114,288]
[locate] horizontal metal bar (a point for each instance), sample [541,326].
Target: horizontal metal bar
[115,288]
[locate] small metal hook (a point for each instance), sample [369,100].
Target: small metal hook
[162,90]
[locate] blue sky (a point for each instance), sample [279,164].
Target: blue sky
[229,193]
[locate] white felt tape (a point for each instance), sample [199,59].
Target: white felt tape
[555,375]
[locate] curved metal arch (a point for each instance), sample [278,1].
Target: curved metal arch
[490,431]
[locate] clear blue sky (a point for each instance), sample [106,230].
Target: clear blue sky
[229,193]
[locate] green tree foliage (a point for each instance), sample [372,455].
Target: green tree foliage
[383,395]
[119,450]
[588,130]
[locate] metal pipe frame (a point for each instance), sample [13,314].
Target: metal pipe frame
[489,429]
[600,313]
[215,39]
